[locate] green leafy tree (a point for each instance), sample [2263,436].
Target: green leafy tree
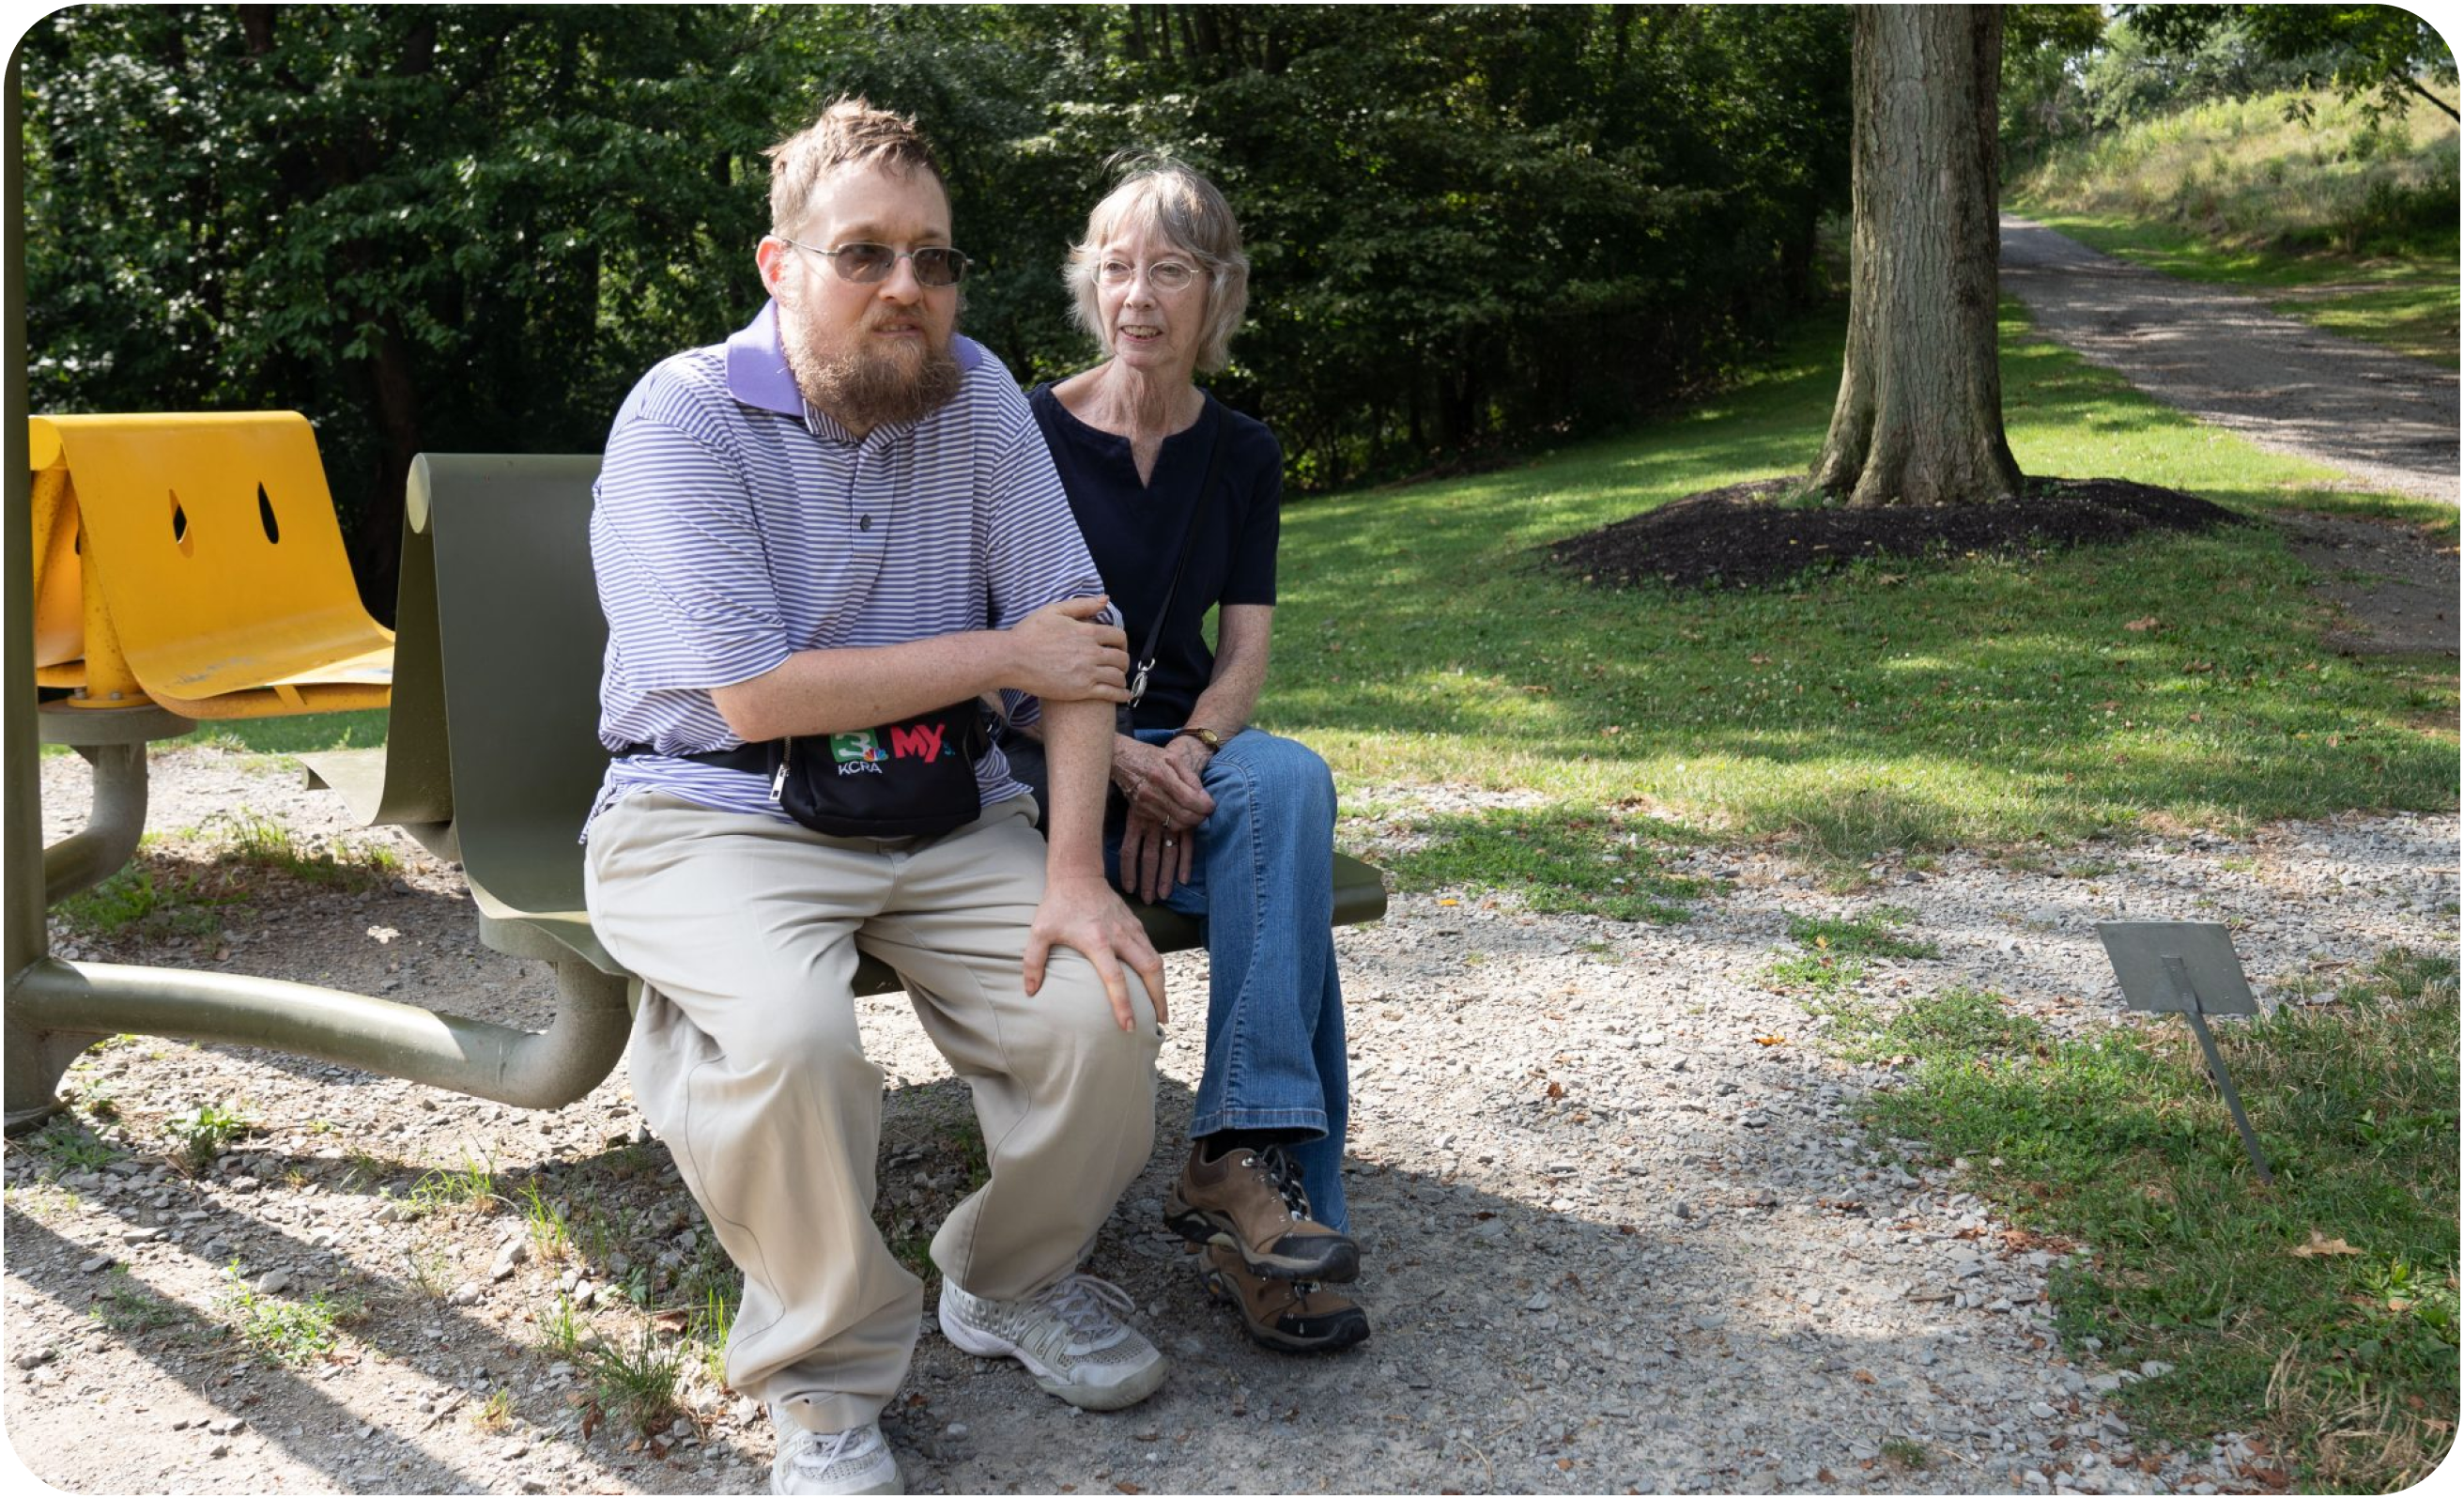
[425,226]
[2381,50]
[472,227]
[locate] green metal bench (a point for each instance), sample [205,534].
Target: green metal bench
[504,542]
[492,758]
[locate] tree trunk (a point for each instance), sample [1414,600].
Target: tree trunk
[1918,418]
[376,541]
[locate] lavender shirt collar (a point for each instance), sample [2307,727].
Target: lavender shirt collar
[758,372]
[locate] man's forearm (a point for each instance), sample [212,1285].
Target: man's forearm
[834,692]
[1078,749]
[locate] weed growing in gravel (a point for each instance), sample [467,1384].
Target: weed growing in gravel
[135,901]
[550,1239]
[1950,1029]
[363,1168]
[120,901]
[634,1161]
[1904,1453]
[593,1229]
[1867,936]
[126,1306]
[471,1184]
[560,1330]
[99,1099]
[202,1131]
[287,1331]
[65,1145]
[1818,974]
[636,1386]
[430,1269]
[1837,949]
[712,1325]
[496,1414]
[267,845]
[1562,858]
[2320,1313]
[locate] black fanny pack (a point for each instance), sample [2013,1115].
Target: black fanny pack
[916,778]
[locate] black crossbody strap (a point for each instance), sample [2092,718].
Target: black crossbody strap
[1188,545]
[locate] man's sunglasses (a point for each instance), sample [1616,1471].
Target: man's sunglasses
[936,265]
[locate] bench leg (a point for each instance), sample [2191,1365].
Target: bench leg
[58,1008]
[83,860]
[37,1060]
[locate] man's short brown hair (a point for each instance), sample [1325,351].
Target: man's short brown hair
[849,131]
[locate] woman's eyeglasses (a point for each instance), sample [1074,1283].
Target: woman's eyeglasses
[1164,275]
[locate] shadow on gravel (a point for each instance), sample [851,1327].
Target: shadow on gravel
[1545,1315]
[201,1357]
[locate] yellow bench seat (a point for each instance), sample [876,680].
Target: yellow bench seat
[193,560]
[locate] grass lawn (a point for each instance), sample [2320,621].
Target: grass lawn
[296,735]
[2171,683]
[2317,1314]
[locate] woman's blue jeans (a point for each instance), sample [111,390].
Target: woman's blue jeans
[1263,881]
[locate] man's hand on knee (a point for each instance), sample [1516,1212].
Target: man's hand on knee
[1083,912]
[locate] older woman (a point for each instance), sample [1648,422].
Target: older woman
[1178,498]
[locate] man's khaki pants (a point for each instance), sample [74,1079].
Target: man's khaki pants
[746,1060]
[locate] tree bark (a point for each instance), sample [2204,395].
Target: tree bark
[1919,417]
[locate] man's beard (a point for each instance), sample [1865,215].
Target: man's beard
[865,382]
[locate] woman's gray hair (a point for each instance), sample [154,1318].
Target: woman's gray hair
[1162,193]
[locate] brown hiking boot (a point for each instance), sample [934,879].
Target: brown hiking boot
[1252,1201]
[1296,1316]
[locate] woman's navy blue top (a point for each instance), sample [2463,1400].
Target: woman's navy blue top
[1135,530]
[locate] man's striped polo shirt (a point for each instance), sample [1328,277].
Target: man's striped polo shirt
[735,526]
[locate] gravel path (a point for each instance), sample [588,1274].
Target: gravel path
[1613,1239]
[2387,420]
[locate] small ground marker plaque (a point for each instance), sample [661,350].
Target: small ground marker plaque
[2189,967]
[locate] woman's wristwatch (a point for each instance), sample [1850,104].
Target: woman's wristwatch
[1213,740]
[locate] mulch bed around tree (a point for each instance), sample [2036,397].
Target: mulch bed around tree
[1740,536]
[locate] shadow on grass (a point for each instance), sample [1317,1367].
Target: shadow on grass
[1965,698]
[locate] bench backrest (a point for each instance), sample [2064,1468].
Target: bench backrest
[521,637]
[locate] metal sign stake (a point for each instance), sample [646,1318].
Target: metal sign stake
[2187,966]
[2180,973]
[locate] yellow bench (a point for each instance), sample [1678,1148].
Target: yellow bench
[193,562]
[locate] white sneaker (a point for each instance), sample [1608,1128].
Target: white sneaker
[1068,1337]
[856,1461]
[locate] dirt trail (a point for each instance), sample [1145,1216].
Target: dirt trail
[2387,420]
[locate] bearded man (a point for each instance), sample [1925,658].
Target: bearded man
[816,544]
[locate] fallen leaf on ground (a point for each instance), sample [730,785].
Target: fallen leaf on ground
[2319,1243]
[2150,623]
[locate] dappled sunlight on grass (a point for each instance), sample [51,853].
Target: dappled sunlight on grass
[1421,638]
